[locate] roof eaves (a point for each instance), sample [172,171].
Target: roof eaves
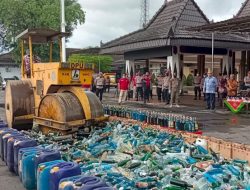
[239,39]
[131,43]
[129,34]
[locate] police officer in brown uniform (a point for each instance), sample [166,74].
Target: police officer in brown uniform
[174,85]
[165,88]
[138,81]
[159,86]
[197,86]
[100,82]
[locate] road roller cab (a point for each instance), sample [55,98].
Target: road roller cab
[50,93]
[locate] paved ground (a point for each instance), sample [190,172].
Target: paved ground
[220,123]
[8,181]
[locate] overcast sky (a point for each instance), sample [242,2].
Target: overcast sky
[110,19]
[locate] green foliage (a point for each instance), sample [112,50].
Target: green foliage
[190,79]
[104,60]
[18,15]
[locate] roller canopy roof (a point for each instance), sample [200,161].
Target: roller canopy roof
[41,35]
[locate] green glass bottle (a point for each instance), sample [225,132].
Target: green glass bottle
[173,188]
[180,183]
[146,156]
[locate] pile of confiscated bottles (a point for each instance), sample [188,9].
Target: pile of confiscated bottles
[119,156]
[172,121]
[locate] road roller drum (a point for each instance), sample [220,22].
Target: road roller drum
[19,102]
[61,107]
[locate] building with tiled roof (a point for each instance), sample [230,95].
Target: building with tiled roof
[166,36]
[244,10]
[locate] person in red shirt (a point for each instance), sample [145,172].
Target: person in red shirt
[123,86]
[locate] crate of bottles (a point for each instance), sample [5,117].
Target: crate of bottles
[247,155]
[238,151]
[165,120]
[214,144]
[226,149]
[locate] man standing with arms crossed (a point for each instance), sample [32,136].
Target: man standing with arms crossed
[210,86]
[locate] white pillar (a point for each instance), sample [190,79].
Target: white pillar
[227,63]
[169,61]
[172,62]
[176,60]
[127,68]
[63,24]
[130,66]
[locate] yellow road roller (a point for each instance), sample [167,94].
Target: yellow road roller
[50,94]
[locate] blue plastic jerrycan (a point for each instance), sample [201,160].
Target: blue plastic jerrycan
[62,170]
[82,182]
[28,169]
[2,133]
[3,124]
[26,152]
[43,174]
[6,137]
[100,188]
[10,151]
[18,144]
[46,155]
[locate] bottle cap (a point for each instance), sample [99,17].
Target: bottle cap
[54,170]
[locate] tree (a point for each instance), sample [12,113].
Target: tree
[105,61]
[2,38]
[18,15]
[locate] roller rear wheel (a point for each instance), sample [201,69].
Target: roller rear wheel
[19,104]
